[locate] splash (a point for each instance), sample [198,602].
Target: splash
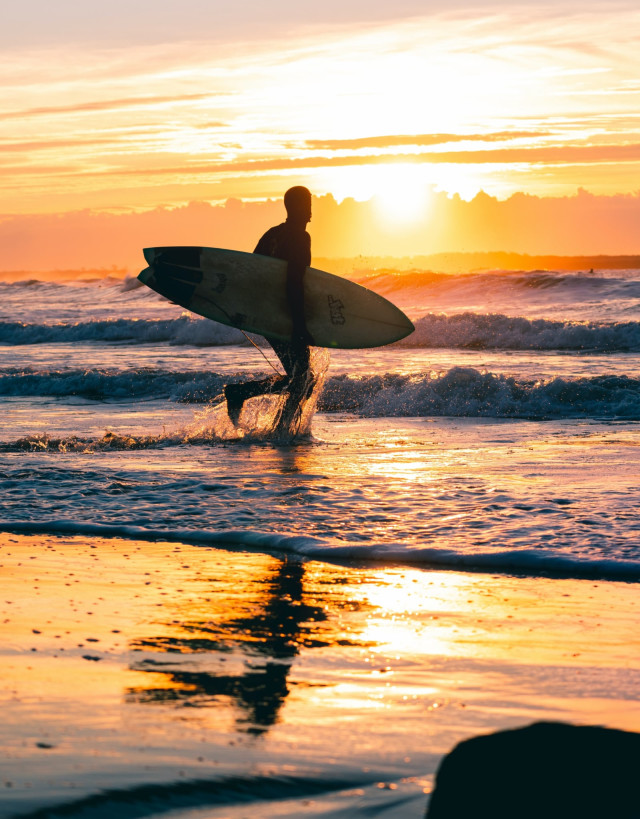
[280,418]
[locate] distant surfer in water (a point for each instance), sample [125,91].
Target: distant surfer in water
[290,242]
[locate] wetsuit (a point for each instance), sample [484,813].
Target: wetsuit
[292,244]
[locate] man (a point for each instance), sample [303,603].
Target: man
[290,242]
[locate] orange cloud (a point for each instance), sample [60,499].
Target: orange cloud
[102,105]
[561,154]
[417,140]
[47,144]
[575,225]
[39,170]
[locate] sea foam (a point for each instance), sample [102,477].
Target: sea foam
[460,391]
[466,330]
[521,561]
[495,331]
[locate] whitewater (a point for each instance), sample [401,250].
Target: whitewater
[463,445]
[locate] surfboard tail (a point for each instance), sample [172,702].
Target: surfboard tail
[149,255]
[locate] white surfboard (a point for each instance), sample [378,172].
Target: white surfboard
[247,291]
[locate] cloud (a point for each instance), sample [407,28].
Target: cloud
[561,154]
[574,225]
[123,22]
[39,170]
[417,140]
[545,155]
[47,144]
[103,105]
[334,82]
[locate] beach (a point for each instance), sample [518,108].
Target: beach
[202,621]
[216,682]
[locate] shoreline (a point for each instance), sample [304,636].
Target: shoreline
[516,563]
[130,663]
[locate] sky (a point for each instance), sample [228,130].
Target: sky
[133,107]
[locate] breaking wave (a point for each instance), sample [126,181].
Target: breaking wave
[467,392]
[603,283]
[179,331]
[435,330]
[494,331]
[103,385]
[461,391]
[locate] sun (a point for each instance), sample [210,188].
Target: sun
[401,195]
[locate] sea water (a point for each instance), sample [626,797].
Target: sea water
[200,616]
[502,433]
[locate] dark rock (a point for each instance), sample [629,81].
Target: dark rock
[546,770]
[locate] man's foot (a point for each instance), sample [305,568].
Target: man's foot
[234,403]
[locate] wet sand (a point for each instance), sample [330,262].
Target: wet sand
[145,677]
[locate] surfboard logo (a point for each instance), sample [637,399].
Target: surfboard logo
[336,306]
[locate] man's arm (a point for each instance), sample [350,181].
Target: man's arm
[296,252]
[299,259]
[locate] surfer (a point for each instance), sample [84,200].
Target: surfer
[290,242]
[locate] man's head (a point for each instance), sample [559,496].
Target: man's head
[297,201]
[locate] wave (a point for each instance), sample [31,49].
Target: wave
[154,799]
[605,284]
[467,392]
[190,387]
[531,561]
[467,330]
[459,392]
[179,331]
[495,331]
[380,278]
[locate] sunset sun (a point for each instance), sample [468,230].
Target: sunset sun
[401,197]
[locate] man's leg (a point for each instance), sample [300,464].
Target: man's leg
[296,359]
[237,394]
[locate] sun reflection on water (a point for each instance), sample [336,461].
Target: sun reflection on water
[167,652]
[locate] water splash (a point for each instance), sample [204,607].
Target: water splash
[265,418]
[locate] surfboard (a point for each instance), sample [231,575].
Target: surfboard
[247,291]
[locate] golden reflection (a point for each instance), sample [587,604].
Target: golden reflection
[402,637]
[232,641]
[237,644]
[392,464]
[239,635]
[403,591]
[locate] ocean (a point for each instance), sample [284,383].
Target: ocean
[523,378]
[499,440]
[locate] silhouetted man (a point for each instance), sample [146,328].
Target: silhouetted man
[290,242]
